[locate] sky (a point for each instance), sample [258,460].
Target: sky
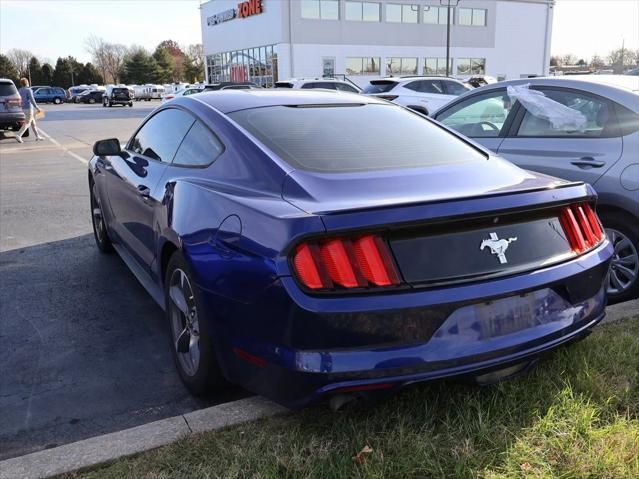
[53,28]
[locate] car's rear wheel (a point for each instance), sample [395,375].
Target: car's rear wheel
[57,101]
[91,100]
[100,232]
[190,334]
[623,233]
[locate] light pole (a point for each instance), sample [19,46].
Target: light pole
[448,4]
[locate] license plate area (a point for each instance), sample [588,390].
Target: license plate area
[480,252]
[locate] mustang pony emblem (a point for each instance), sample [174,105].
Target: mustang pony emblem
[497,246]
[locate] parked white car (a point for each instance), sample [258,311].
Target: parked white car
[423,94]
[189,90]
[312,83]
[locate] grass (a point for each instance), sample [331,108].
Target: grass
[575,415]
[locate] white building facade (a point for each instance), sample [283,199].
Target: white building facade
[268,40]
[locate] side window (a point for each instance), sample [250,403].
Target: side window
[482,116]
[426,86]
[343,87]
[199,148]
[308,86]
[563,113]
[454,88]
[160,137]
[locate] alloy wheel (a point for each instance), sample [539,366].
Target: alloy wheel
[96,216]
[184,322]
[624,268]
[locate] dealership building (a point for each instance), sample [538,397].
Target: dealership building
[266,40]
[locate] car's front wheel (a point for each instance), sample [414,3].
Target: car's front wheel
[623,233]
[100,233]
[190,334]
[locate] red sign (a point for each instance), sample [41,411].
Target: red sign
[248,8]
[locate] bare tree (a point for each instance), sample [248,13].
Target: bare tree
[96,46]
[108,57]
[196,54]
[597,62]
[20,60]
[568,59]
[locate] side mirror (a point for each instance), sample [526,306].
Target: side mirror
[110,147]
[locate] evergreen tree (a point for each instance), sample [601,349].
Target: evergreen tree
[7,70]
[140,68]
[47,74]
[36,72]
[164,65]
[88,74]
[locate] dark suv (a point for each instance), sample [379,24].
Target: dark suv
[11,115]
[115,95]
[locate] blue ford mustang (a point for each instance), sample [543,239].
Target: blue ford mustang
[309,245]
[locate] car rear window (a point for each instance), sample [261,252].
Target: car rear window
[333,138]
[379,86]
[120,90]
[7,89]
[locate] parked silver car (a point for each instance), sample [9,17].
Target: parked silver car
[583,128]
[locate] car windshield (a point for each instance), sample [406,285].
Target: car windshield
[379,86]
[345,137]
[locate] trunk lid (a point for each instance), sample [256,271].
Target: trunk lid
[332,193]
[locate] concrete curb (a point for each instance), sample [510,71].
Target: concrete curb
[96,450]
[620,311]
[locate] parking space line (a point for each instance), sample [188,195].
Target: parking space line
[66,150]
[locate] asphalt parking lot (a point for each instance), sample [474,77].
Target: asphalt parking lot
[83,348]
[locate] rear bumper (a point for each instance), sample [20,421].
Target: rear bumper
[11,119]
[310,347]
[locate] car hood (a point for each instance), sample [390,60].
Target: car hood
[325,193]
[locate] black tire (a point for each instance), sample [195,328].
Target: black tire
[628,227]
[100,233]
[92,100]
[131,104]
[110,104]
[26,132]
[205,376]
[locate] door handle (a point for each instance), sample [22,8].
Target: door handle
[588,162]
[144,191]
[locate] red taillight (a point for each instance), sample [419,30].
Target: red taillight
[374,261]
[359,262]
[306,267]
[581,226]
[13,101]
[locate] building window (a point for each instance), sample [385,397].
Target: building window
[475,17]
[438,15]
[471,66]
[437,66]
[258,65]
[362,66]
[362,11]
[320,9]
[401,66]
[396,13]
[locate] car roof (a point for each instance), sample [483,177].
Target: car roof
[228,101]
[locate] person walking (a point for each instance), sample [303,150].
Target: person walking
[28,104]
